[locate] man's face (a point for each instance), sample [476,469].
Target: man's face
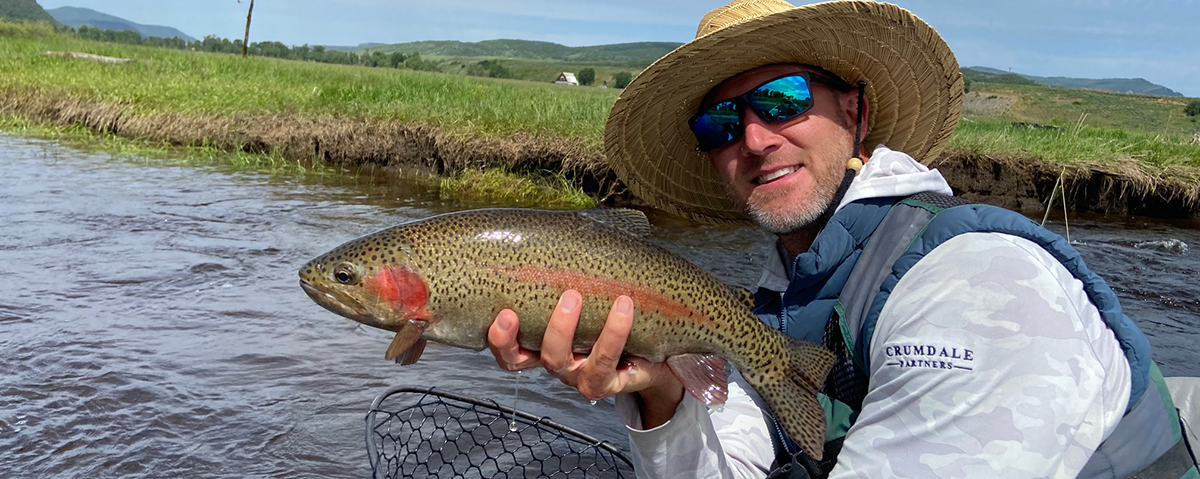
[784,175]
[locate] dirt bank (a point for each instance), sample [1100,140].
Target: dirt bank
[1025,184]
[1018,183]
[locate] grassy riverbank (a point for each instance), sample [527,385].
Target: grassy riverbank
[442,123]
[493,184]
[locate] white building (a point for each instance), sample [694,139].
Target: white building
[566,78]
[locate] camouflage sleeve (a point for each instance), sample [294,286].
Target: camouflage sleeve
[728,442]
[988,360]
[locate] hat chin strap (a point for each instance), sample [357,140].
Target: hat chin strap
[853,165]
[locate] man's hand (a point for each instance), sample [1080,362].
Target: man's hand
[596,375]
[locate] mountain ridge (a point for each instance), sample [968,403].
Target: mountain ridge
[25,10]
[1139,86]
[78,16]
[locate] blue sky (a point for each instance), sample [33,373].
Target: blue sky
[1158,40]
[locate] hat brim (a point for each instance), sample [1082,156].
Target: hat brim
[913,84]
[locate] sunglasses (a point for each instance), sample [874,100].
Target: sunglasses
[777,100]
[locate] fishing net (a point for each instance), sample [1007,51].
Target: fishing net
[414,432]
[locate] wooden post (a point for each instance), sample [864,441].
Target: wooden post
[246,41]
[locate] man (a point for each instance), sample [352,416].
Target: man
[970,342]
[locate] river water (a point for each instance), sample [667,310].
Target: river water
[151,324]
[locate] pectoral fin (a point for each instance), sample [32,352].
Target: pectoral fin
[407,346]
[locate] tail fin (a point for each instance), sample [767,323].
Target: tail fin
[791,392]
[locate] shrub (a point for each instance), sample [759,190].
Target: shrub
[586,76]
[489,68]
[622,79]
[1192,108]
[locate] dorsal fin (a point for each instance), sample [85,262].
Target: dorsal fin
[628,220]
[742,294]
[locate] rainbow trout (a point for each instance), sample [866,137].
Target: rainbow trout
[446,278]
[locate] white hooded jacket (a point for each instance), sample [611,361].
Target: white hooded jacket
[1047,381]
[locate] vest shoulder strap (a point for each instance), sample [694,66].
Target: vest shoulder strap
[895,234]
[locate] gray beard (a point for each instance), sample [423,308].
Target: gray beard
[787,222]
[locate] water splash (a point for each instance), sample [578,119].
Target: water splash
[1173,246]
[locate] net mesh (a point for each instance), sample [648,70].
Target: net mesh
[413,432]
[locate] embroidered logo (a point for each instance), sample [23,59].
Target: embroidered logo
[929,357]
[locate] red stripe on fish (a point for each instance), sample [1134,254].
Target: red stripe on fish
[646,298]
[403,287]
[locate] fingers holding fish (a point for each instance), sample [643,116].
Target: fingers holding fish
[606,353]
[605,370]
[603,374]
[557,352]
[502,340]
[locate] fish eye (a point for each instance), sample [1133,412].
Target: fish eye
[345,274]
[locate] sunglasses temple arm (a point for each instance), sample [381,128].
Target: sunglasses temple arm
[858,124]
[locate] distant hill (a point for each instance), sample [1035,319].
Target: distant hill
[360,46]
[991,75]
[76,16]
[643,53]
[24,10]
[1120,85]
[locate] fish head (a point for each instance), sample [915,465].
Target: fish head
[364,281]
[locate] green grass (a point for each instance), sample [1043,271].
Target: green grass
[1085,146]
[520,190]
[1064,107]
[172,81]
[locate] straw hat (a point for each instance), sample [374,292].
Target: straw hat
[913,84]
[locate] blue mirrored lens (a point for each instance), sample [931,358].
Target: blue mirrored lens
[717,126]
[781,99]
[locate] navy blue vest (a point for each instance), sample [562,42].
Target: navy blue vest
[889,236]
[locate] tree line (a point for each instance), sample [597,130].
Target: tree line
[215,44]
[315,53]
[587,76]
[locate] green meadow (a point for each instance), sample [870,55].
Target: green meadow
[1088,128]
[1094,129]
[163,80]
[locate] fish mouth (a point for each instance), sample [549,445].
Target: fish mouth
[341,304]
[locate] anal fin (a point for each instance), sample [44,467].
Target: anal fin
[407,346]
[703,375]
